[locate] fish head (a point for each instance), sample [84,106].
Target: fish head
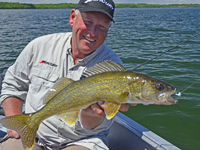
[158,92]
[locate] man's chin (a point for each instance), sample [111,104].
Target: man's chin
[87,50]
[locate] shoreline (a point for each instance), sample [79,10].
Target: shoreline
[10,5]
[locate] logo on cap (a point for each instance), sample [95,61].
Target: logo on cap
[103,1]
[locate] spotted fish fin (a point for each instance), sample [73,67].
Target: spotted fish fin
[56,88]
[26,130]
[111,109]
[103,66]
[124,97]
[70,117]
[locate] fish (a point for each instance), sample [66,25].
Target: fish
[107,81]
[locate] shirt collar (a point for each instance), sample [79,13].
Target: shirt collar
[89,57]
[69,46]
[94,54]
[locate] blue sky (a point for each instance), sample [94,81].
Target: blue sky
[116,1]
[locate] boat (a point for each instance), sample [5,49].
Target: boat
[124,134]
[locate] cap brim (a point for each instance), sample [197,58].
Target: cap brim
[95,10]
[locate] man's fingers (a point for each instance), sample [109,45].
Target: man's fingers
[94,110]
[98,109]
[13,134]
[133,104]
[124,107]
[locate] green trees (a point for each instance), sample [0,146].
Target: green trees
[7,5]
[144,5]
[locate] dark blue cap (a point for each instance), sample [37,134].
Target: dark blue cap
[104,6]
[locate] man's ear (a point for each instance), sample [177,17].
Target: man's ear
[72,17]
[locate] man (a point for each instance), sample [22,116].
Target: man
[50,57]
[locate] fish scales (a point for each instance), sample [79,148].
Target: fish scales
[112,84]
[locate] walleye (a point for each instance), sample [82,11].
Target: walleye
[107,81]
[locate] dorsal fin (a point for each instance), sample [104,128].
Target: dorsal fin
[103,66]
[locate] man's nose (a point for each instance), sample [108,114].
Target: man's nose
[93,30]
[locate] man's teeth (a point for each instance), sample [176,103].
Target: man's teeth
[91,40]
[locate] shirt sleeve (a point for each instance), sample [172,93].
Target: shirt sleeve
[16,81]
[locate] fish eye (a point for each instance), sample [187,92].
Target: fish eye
[160,87]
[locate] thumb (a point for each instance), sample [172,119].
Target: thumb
[13,134]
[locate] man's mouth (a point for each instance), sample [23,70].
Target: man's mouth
[88,39]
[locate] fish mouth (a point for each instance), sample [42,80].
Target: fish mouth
[167,100]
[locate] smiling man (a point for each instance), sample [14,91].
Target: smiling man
[48,58]
[89,31]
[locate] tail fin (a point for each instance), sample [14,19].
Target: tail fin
[26,130]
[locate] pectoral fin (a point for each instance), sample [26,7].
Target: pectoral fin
[69,117]
[111,109]
[123,98]
[57,87]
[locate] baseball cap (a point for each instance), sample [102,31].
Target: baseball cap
[104,6]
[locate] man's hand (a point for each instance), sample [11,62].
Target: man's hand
[13,134]
[94,115]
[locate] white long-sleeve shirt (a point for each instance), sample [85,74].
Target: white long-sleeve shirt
[38,67]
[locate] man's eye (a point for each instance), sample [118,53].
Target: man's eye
[103,28]
[88,22]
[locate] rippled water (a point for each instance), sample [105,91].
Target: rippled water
[137,36]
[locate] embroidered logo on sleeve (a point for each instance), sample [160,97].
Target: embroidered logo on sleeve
[48,63]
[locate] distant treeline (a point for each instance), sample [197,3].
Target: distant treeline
[7,5]
[144,5]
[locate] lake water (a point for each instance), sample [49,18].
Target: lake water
[137,36]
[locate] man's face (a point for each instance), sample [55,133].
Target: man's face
[89,30]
